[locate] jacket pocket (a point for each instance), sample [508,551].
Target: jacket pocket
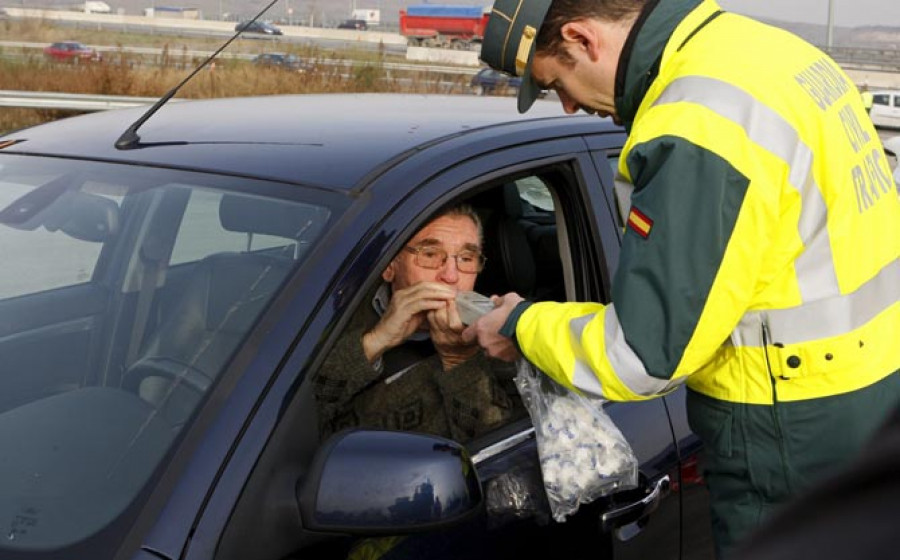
[712,421]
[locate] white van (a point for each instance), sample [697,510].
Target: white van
[96,7]
[886,108]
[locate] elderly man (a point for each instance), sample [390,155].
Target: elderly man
[402,363]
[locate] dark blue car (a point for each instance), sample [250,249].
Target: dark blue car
[166,306]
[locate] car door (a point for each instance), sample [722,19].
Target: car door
[556,216]
[565,171]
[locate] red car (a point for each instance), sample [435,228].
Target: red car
[71,51]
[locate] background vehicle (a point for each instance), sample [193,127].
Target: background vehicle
[71,51]
[358,24]
[371,16]
[284,61]
[262,27]
[97,7]
[450,26]
[167,306]
[489,81]
[885,111]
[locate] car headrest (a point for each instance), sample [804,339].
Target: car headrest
[281,218]
[512,202]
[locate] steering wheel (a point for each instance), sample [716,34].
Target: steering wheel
[177,400]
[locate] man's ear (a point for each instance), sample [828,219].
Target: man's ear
[389,272]
[582,35]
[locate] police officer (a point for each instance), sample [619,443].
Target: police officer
[759,262]
[867,98]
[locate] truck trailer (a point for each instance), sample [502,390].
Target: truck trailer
[446,26]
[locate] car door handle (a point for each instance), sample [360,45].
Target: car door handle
[630,513]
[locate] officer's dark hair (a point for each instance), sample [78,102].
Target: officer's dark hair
[561,12]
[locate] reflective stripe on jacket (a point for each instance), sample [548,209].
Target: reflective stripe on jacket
[764,227]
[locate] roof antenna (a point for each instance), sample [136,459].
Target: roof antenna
[130,138]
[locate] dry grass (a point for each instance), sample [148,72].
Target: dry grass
[121,73]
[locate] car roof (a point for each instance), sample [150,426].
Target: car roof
[331,140]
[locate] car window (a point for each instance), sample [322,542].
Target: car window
[535,192]
[897,101]
[881,99]
[96,383]
[520,243]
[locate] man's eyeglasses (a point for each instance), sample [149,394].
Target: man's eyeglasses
[435,257]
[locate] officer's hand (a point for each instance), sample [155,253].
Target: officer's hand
[486,330]
[405,315]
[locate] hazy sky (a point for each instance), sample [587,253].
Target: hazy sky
[847,13]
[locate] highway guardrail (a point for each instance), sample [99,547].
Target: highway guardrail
[70,101]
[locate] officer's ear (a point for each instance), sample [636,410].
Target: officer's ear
[583,36]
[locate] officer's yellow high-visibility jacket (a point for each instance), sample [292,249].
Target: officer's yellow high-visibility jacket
[759,262]
[760,259]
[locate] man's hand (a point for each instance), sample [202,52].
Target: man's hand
[406,313]
[445,328]
[487,329]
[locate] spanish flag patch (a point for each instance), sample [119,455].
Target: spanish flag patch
[640,223]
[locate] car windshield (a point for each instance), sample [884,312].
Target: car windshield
[125,292]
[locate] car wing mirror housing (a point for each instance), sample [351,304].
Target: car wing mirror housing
[379,482]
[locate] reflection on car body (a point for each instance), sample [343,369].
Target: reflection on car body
[166,310]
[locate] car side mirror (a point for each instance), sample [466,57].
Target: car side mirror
[378,482]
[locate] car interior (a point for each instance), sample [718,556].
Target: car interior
[520,241]
[212,311]
[155,318]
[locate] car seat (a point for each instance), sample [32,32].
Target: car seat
[224,296]
[510,263]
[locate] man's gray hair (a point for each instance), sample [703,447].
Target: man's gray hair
[465,210]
